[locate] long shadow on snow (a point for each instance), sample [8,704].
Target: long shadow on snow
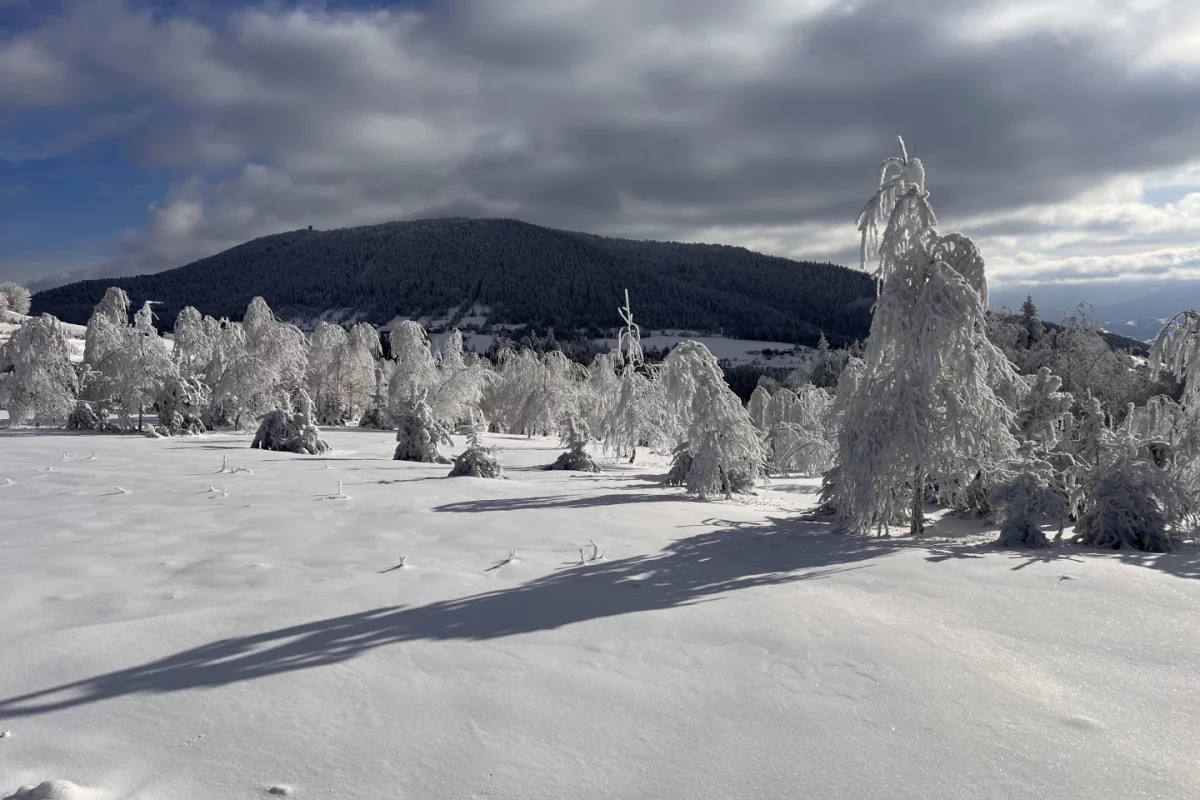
[557,501]
[690,570]
[1183,563]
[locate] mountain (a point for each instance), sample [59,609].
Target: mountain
[509,271]
[1133,308]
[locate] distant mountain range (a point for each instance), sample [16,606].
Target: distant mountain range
[1136,309]
[503,272]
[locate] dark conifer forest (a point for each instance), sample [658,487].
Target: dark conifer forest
[525,274]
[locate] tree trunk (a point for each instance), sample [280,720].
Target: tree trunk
[633,455]
[917,523]
[141,412]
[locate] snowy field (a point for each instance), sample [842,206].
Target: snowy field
[205,635]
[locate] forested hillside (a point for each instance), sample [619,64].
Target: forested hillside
[524,273]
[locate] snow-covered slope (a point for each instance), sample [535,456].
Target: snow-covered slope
[207,635]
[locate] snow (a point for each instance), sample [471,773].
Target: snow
[180,642]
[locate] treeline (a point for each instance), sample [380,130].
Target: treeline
[525,275]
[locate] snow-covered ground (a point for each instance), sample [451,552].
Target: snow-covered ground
[202,635]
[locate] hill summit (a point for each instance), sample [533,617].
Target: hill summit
[508,272]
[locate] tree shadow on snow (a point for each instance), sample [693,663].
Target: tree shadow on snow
[688,571]
[557,501]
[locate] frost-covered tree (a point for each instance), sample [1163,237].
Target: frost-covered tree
[1031,493]
[629,340]
[826,365]
[639,416]
[326,347]
[1045,412]
[416,371]
[1176,352]
[14,297]
[195,336]
[418,435]
[532,391]
[106,327]
[181,403]
[458,387]
[125,365]
[1031,322]
[602,390]
[291,431]
[575,435]
[38,384]
[719,450]
[377,414]
[477,461]
[254,363]
[926,414]
[1129,502]
[760,399]
[799,428]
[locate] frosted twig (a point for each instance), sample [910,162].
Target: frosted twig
[595,550]
[582,560]
[123,490]
[327,465]
[340,494]
[403,561]
[65,457]
[92,457]
[5,734]
[8,481]
[224,465]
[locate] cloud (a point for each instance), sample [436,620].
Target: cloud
[757,123]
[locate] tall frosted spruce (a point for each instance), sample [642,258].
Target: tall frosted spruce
[925,413]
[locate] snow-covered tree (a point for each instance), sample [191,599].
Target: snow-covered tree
[1045,412]
[719,450]
[1176,352]
[1032,493]
[532,391]
[195,336]
[418,434]
[799,428]
[575,435]
[926,413]
[458,387]
[760,399]
[1031,322]
[38,384]
[826,365]
[181,403]
[106,327]
[629,341]
[377,414]
[602,390]
[477,461]
[416,371]
[254,363]
[326,347]
[1129,502]
[125,365]
[291,431]
[639,416]
[14,297]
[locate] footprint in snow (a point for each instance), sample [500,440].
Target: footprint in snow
[286,791]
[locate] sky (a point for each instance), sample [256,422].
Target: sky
[1063,137]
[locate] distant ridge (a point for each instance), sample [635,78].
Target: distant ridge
[522,274]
